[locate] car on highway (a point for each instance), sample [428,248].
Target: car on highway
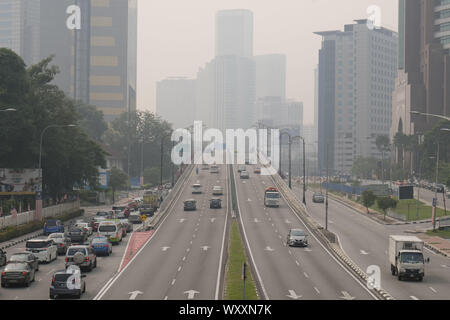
[3,258]
[196,188]
[27,257]
[440,188]
[17,273]
[111,229]
[215,203]
[190,205]
[217,191]
[297,238]
[77,234]
[126,224]
[214,169]
[241,168]
[85,226]
[101,246]
[318,197]
[96,222]
[53,226]
[135,218]
[45,250]
[82,256]
[244,175]
[257,170]
[61,241]
[68,282]
[102,214]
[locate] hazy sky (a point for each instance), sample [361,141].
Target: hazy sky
[176,37]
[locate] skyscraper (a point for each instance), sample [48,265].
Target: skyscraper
[423,81]
[356,79]
[234,33]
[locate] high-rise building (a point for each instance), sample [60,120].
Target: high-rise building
[423,81]
[234,33]
[113,56]
[270,76]
[19,28]
[97,62]
[175,101]
[357,69]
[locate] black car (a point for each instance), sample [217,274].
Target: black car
[27,257]
[2,258]
[190,205]
[215,203]
[17,273]
[77,235]
[318,197]
[69,282]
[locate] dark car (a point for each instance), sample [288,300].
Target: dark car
[2,258]
[17,273]
[440,188]
[27,257]
[190,205]
[77,235]
[215,203]
[318,198]
[53,226]
[297,237]
[148,210]
[69,282]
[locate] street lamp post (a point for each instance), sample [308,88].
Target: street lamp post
[304,167]
[326,195]
[437,176]
[8,110]
[162,157]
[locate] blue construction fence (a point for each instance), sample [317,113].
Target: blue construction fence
[345,188]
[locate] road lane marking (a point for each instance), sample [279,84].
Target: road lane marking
[297,263]
[317,290]
[293,295]
[306,275]
[165,248]
[432,289]
[269,249]
[364,252]
[184,258]
[134,294]
[414,298]
[173,281]
[191,294]
[347,296]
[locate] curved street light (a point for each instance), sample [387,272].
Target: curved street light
[430,115]
[8,110]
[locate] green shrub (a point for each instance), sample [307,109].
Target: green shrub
[13,232]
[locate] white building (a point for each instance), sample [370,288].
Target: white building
[357,68]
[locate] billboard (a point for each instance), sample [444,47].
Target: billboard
[103,178]
[405,192]
[20,181]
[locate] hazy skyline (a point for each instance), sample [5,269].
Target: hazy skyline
[176,38]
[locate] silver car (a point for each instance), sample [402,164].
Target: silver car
[297,238]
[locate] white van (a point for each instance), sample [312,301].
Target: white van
[112,230]
[196,188]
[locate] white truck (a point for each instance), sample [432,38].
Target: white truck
[406,257]
[271,197]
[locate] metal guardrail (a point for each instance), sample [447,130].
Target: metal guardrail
[154,221]
[301,211]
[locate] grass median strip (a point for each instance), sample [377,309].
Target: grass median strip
[234,284]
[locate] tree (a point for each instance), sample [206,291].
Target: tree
[69,157]
[368,199]
[152,176]
[92,121]
[385,203]
[117,180]
[382,142]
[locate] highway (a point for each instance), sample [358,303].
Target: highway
[183,258]
[39,290]
[366,243]
[289,273]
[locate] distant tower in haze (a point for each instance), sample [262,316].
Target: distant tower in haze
[234,33]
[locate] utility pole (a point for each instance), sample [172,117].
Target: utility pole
[304,173]
[433,218]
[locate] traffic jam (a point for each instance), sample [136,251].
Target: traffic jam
[79,243]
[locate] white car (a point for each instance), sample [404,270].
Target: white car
[44,249]
[85,226]
[197,188]
[217,191]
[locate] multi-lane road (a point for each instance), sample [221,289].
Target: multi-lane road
[366,242]
[184,257]
[284,272]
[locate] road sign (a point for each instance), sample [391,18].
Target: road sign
[143,218]
[405,192]
[434,202]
